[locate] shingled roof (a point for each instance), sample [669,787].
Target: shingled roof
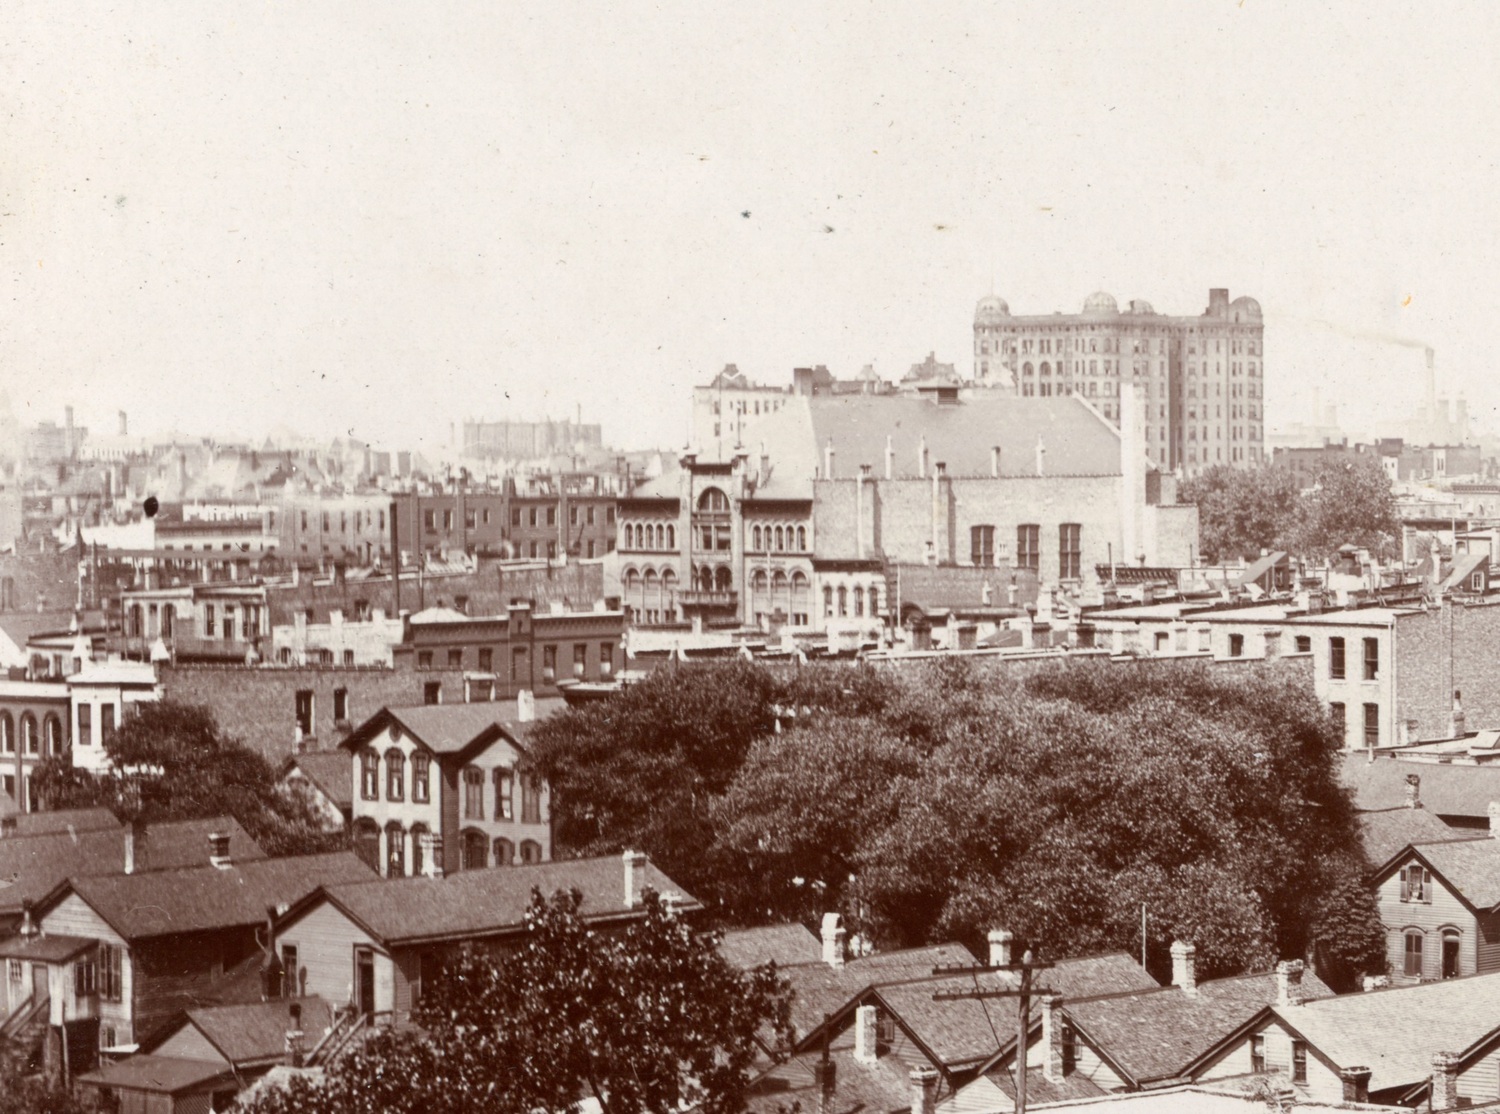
[1382,834]
[330,771]
[820,991]
[1155,1035]
[479,903]
[782,944]
[1448,789]
[444,729]
[200,898]
[1471,867]
[254,1034]
[65,820]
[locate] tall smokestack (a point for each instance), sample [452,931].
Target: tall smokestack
[124,424]
[1431,388]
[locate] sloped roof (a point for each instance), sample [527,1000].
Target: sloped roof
[65,820]
[45,949]
[1156,1034]
[1384,833]
[247,1034]
[474,903]
[330,771]
[158,1074]
[782,944]
[1448,789]
[820,990]
[883,1087]
[1471,866]
[33,866]
[1394,1032]
[442,728]
[1458,576]
[196,899]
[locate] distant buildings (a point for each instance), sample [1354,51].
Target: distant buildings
[508,440]
[1202,378]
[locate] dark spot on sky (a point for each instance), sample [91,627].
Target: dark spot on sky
[151,506]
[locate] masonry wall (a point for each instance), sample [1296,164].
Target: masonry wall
[1450,648]
[257,705]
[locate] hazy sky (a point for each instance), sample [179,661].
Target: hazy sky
[380,217]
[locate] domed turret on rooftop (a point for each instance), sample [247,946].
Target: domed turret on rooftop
[990,310]
[1101,303]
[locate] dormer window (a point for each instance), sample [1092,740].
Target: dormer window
[1416,884]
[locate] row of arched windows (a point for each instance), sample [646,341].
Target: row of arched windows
[395,776]
[33,734]
[844,603]
[640,535]
[778,539]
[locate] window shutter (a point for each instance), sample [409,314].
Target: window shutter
[1405,885]
[1427,886]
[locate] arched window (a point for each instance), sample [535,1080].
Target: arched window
[721,579]
[369,775]
[661,537]
[802,539]
[367,842]
[7,734]
[505,852]
[781,597]
[1046,368]
[1452,953]
[1027,369]
[843,601]
[827,601]
[395,775]
[859,603]
[419,836]
[713,501]
[30,742]
[420,785]
[780,540]
[475,850]
[531,851]
[755,534]
[671,537]
[799,597]
[395,850]
[53,731]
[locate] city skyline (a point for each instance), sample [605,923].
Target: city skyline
[450,217]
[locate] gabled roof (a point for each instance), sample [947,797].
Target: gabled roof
[819,991]
[444,729]
[478,903]
[1395,1032]
[1388,832]
[782,944]
[883,1087]
[45,949]
[65,820]
[33,866]
[248,1035]
[1155,1035]
[1458,576]
[1448,789]
[329,771]
[1470,867]
[201,898]
[163,1075]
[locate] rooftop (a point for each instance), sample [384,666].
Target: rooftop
[253,1033]
[329,771]
[1471,866]
[441,728]
[782,944]
[1382,834]
[1446,789]
[165,1075]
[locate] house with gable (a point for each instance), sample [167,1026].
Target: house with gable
[114,956]
[441,788]
[1385,1046]
[372,944]
[1440,907]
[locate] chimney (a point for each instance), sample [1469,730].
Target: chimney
[1494,813]
[1001,941]
[890,458]
[828,460]
[1356,1084]
[294,1037]
[865,1035]
[833,940]
[922,457]
[1413,790]
[995,460]
[1289,982]
[1444,1081]
[635,877]
[1184,972]
[1456,729]
[923,1090]
[218,850]
[1053,1067]
[129,834]
[28,923]
[526,706]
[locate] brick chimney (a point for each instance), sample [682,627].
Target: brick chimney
[635,877]
[1356,1084]
[218,850]
[923,1090]
[525,706]
[1444,1081]
[1413,790]
[1053,1067]
[294,1036]
[1002,943]
[866,1039]
[833,940]
[28,922]
[1289,982]
[1184,967]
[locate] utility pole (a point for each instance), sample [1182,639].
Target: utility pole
[1023,994]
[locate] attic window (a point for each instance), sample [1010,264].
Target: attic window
[1416,884]
[885,1027]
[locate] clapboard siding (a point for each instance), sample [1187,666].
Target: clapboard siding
[1445,910]
[325,940]
[72,916]
[189,1043]
[1487,942]
[1482,1081]
[1323,1084]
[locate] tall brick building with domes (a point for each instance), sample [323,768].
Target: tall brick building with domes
[1202,378]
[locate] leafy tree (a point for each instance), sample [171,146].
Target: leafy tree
[649,1020]
[21,1094]
[173,764]
[1350,503]
[1241,511]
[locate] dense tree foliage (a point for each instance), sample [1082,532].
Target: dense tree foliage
[939,802]
[175,765]
[1242,511]
[651,1019]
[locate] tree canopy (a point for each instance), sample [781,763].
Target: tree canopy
[650,1019]
[942,801]
[1242,511]
[175,765]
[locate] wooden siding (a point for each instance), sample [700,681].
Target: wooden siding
[408,972]
[1445,910]
[1482,1081]
[1323,1084]
[189,1043]
[325,940]
[179,972]
[72,916]
[1487,943]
